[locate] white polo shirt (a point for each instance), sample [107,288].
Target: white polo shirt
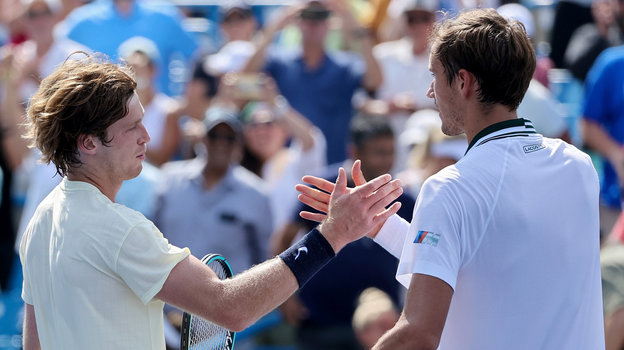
[91,270]
[513,229]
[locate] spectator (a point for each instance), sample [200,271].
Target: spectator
[404,64]
[281,146]
[590,39]
[612,266]
[569,15]
[160,119]
[212,204]
[104,25]
[603,129]
[238,26]
[374,315]
[317,83]
[322,315]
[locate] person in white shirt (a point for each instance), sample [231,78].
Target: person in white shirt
[97,274]
[503,248]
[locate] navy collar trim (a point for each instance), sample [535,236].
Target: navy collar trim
[501,130]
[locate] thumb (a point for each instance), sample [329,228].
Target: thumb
[356,173]
[341,182]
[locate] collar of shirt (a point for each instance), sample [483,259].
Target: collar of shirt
[504,129]
[227,182]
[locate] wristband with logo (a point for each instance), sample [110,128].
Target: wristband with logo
[306,257]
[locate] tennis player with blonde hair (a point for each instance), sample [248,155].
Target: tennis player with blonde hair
[97,274]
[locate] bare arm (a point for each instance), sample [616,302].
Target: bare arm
[353,31]
[12,114]
[421,323]
[256,61]
[239,302]
[29,333]
[614,330]
[598,139]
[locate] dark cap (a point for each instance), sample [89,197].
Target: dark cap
[315,10]
[217,115]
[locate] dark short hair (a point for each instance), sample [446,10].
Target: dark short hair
[365,127]
[495,50]
[211,81]
[83,96]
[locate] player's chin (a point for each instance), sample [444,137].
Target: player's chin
[135,171]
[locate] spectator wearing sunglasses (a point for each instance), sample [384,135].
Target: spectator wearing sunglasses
[404,64]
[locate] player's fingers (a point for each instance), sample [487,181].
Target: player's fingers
[356,173]
[317,217]
[322,184]
[341,182]
[385,200]
[380,218]
[373,185]
[313,193]
[315,204]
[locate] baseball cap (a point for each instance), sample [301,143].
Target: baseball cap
[217,115]
[420,5]
[239,7]
[315,10]
[139,44]
[54,5]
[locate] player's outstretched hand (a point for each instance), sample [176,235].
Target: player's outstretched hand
[353,212]
[318,199]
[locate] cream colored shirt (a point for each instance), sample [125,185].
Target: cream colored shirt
[91,270]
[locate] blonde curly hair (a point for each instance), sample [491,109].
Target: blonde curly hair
[83,96]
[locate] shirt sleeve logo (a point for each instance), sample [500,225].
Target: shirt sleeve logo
[427,237]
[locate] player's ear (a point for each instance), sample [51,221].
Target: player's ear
[466,82]
[87,144]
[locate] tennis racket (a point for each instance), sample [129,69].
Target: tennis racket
[200,334]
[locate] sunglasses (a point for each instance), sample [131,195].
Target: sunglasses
[38,14]
[416,18]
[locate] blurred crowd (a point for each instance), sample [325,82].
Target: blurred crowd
[242,99]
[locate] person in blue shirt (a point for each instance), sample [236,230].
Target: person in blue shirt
[603,128]
[319,84]
[103,25]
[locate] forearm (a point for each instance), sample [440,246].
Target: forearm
[599,140]
[400,338]
[373,77]
[256,61]
[300,128]
[30,336]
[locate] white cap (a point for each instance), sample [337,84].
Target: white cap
[54,5]
[140,44]
[520,13]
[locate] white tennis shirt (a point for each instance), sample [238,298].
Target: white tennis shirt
[513,229]
[91,270]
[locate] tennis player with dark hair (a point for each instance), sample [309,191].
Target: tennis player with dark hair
[503,248]
[96,274]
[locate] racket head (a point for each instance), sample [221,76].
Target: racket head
[200,334]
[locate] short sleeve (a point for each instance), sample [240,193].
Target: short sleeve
[433,244]
[145,260]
